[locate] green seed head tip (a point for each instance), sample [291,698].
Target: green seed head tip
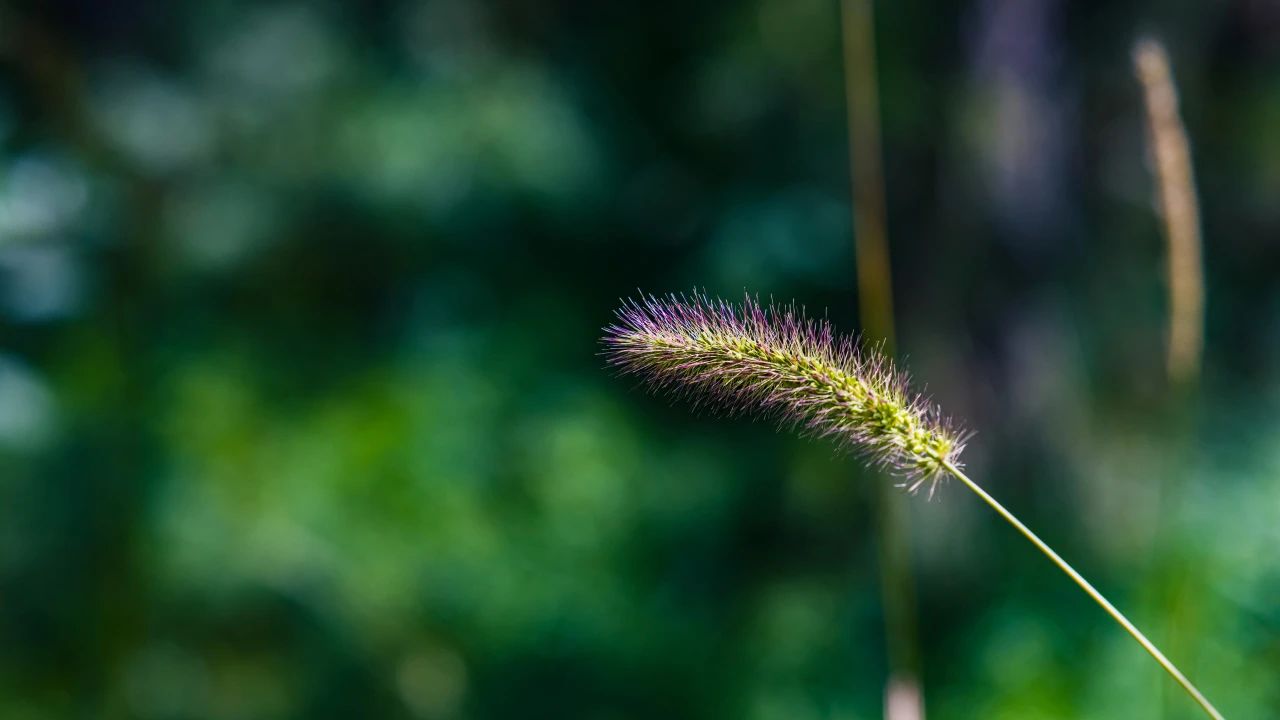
[775,359]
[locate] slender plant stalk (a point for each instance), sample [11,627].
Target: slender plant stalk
[774,359]
[903,699]
[1170,150]
[1089,589]
[867,179]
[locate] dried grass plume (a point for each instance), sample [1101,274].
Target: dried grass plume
[1171,153]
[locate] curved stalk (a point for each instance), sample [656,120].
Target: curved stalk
[1089,589]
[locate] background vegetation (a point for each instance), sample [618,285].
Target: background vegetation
[301,413]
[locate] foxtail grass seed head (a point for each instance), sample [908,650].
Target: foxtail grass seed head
[773,358]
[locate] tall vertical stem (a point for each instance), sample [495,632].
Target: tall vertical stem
[875,293]
[903,698]
[1170,150]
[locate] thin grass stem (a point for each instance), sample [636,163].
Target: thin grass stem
[903,697]
[1088,588]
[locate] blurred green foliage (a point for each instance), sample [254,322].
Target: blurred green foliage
[301,413]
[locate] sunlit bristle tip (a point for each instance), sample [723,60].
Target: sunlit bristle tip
[774,358]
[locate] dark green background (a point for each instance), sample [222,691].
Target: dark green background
[301,411]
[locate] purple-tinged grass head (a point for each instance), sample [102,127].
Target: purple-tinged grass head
[773,358]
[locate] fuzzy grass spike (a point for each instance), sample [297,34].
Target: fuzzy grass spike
[773,358]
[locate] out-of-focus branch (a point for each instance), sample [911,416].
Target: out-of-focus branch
[875,291]
[903,698]
[1170,152]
